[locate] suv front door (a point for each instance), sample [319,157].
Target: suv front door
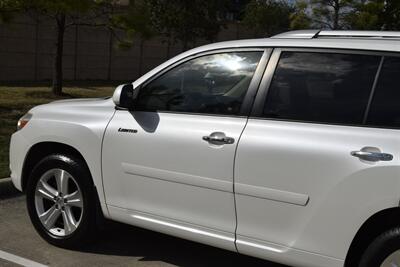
[169,162]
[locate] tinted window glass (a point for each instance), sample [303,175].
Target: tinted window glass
[214,84]
[321,87]
[385,106]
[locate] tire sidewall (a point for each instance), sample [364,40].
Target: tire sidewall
[79,171]
[381,248]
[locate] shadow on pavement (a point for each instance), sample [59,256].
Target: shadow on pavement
[124,240]
[7,189]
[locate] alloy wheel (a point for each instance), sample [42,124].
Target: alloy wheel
[393,260]
[59,202]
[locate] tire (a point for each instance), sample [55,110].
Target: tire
[384,251]
[68,219]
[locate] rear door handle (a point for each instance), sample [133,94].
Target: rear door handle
[218,138]
[372,156]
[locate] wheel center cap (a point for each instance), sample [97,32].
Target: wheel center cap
[60,201]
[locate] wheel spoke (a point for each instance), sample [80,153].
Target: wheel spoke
[70,223]
[74,199]
[62,181]
[49,217]
[46,191]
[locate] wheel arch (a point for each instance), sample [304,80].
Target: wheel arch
[38,151]
[375,225]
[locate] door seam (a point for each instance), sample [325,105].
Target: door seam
[270,52]
[101,162]
[233,184]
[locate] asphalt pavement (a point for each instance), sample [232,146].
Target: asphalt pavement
[116,245]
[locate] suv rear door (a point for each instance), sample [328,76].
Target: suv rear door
[302,179]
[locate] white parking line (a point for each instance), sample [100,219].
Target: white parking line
[19,260]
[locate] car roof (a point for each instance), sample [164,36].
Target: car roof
[336,42]
[354,40]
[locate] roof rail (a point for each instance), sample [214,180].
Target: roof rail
[362,34]
[309,34]
[301,34]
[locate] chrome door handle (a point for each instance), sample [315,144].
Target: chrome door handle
[225,140]
[372,156]
[218,138]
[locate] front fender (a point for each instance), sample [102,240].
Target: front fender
[78,126]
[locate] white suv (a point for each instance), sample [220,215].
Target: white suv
[284,148]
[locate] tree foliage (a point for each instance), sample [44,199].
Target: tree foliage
[187,21]
[136,20]
[375,15]
[299,19]
[347,14]
[330,14]
[7,8]
[267,17]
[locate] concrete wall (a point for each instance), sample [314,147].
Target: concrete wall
[26,49]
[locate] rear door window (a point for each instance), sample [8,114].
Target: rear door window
[385,106]
[321,87]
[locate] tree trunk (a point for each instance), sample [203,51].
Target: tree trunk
[58,56]
[336,15]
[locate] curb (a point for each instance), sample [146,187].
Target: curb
[5,180]
[7,189]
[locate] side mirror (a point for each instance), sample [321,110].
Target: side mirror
[124,96]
